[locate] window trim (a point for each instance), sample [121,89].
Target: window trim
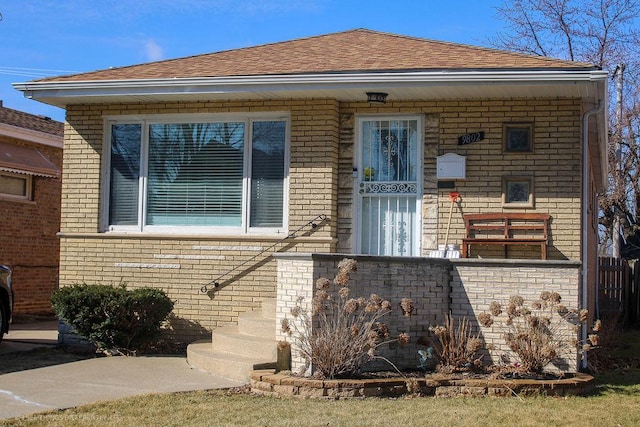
[145,121]
[28,196]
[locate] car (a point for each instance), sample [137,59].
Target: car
[6,299]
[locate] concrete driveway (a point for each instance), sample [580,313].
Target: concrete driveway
[92,380]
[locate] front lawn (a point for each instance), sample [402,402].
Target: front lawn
[615,401]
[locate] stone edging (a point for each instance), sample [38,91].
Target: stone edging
[267,382]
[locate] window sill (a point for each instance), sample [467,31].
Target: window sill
[212,237]
[17,200]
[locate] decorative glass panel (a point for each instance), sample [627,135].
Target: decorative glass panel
[517,191]
[389,187]
[518,137]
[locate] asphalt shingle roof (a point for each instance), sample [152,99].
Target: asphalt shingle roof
[351,51]
[24,120]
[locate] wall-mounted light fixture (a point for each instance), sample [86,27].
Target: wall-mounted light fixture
[377,97]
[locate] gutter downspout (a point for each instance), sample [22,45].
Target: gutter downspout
[585,195]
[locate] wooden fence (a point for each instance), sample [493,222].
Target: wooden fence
[618,289]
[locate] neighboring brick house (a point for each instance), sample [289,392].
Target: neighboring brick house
[30,188]
[166,183]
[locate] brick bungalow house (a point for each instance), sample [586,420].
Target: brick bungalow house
[30,187]
[189,172]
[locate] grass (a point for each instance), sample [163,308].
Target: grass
[617,406]
[615,401]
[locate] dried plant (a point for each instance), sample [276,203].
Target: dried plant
[458,347]
[540,334]
[340,334]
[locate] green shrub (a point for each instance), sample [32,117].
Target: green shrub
[112,318]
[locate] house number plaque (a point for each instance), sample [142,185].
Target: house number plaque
[470,138]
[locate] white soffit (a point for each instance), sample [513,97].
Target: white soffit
[344,87]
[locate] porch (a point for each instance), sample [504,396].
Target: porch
[462,287]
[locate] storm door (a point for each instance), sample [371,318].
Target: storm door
[389,186]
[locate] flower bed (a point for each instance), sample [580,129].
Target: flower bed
[267,382]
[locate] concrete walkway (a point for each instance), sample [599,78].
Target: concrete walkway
[91,380]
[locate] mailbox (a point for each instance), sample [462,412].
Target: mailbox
[451,166]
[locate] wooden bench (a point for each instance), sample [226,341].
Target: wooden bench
[506,229]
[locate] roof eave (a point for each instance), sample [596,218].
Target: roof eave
[59,93]
[31,135]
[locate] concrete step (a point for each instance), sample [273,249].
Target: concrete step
[200,355]
[269,307]
[255,323]
[234,351]
[229,340]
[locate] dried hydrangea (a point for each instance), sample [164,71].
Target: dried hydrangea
[485,319]
[584,313]
[383,329]
[438,330]
[597,326]
[406,304]
[562,310]
[344,292]
[404,339]
[516,300]
[594,339]
[555,298]
[495,308]
[345,267]
[375,299]
[351,306]
[285,326]
[323,283]
[386,305]
[370,308]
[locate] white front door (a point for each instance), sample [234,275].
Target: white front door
[389,186]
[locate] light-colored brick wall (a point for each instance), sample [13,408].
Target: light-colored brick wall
[425,283]
[465,288]
[475,284]
[322,157]
[182,264]
[554,166]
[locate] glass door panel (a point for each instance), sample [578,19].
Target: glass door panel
[389,187]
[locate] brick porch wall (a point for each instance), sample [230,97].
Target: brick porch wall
[464,287]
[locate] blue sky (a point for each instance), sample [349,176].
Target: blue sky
[53,37]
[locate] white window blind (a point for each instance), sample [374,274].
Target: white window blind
[267,173]
[125,174]
[229,175]
[195,174]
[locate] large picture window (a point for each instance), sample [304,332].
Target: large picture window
[197,175]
